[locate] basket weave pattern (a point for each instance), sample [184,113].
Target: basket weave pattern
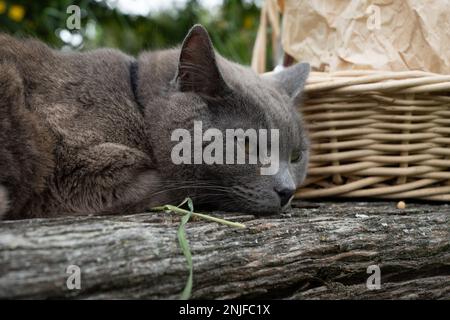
[378,134]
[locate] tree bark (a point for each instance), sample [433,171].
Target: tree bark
[315,251]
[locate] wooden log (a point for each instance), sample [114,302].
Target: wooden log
[317,251]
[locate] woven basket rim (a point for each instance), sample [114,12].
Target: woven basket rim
[363,81]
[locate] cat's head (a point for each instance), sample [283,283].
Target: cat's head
[209,91]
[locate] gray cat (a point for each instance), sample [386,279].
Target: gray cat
[90,133]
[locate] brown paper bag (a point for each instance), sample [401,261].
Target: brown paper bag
[391,35]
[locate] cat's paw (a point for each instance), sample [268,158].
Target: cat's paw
[4,202]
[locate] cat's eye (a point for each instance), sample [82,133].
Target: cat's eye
[296,156]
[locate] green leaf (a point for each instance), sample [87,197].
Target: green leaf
[185,248]
[190,204]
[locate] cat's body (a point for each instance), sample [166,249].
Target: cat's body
[89,133]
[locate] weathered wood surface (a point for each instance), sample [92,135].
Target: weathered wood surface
[314,252]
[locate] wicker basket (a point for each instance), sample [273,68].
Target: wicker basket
[378,134]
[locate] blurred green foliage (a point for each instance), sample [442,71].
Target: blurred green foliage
[232,28]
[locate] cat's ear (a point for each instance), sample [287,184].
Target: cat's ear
[197,68]
[292,79]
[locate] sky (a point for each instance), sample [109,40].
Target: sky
[144,7]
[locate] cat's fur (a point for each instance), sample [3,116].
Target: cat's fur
[78,137]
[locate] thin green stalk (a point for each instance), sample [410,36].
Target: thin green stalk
[170,208]
[185,248]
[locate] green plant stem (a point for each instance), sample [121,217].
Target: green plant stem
[185,247]
[180,211]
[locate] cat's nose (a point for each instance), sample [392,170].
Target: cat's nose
[285,195]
